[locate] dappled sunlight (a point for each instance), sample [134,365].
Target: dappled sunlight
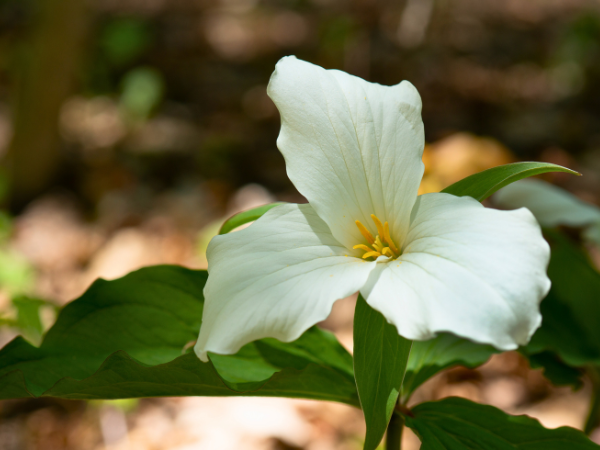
[129,136]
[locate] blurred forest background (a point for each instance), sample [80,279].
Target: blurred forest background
[129,129]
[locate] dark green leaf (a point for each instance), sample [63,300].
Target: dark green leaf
[245,217]
[430,357]
[257,361]
[571,314]
[125,39]
[456,424]
[558,372]
[380,358]
[120,376]
[576,283]
[562,334]
[128,338]
[483,184]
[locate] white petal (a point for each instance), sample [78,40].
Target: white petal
[276,278]
[352,148]
[550,205]
[476,272]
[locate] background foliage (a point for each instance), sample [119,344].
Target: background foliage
[130,129]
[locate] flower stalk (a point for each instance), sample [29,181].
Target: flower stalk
[393,439]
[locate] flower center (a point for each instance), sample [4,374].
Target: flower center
[380,245]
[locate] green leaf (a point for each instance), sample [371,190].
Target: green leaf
[245,217]
[124,40]
[130,338]
[557,371]
[16,274]
[142,90]
[446,350]
[120,376]
[571,313]
[258,360]
[576,283]
[456,424]
[483,184]
[380,358]
[563,334]
[28,317]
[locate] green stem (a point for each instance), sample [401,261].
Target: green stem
[593,420]
[393,439]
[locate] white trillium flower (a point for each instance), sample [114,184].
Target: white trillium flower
[428,263]
[551,206]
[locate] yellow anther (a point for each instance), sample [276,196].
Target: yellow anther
[381,244]
[377,224]
[371,254]
[388,239]
[368,236]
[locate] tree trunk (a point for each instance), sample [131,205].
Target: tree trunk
[44,80]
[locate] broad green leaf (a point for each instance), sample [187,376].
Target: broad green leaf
[571,313]
[563,334]
[380,358]
[130,338]
[245,217]
[446,350]
[576,283]
[120,376]
[483,184]
[457,424]
[260,359]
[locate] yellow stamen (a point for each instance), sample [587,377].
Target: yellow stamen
[388,251]
[371,254]
[378,245]
[388,239]
[377,224]
[368,236]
